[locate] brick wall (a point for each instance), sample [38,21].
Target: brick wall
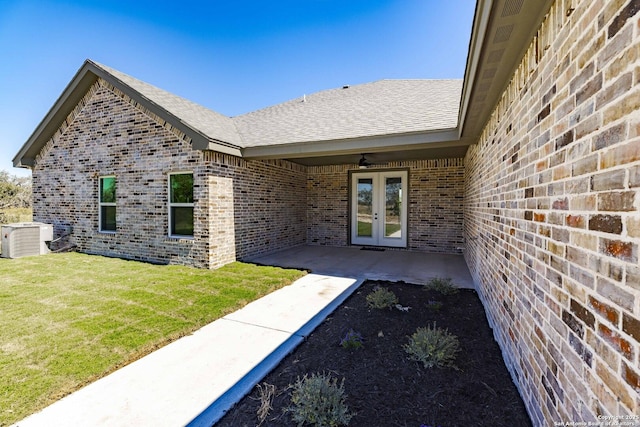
[436,189]
[241,208]
[551,215]
[436,196]
[263,204]
[328,205]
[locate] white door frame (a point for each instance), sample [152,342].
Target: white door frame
[377,236]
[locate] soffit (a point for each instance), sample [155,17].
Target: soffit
[435,151]
[502,32]
[383,148]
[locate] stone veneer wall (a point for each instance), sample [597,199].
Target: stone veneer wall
[436,190]
[552,218]
[241,208]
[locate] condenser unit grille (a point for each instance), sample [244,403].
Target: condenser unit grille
[24,242]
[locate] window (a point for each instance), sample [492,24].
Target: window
[107,204]
[181,204]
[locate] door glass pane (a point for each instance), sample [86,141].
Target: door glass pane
[393,207]
[365,207]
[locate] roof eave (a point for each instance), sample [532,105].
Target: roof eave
[494,57]
[205,143]
[51,122]
[478,32]
[86,76]
[372,144]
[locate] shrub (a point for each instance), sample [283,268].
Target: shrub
[11,215]
[444,286]
[319,400]
[433,347]
[382,298]
[352,340]
[434,305]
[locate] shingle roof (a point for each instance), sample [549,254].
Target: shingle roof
[214,125]
[384,107]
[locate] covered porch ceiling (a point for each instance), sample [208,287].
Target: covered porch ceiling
[501,33]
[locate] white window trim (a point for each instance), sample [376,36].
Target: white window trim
[101,204]
[177,205]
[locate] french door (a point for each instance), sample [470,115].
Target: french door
[379,208]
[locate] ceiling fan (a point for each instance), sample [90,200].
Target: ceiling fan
[364,163]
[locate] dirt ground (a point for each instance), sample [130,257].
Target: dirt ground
[384,387]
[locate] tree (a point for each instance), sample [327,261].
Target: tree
[15,192]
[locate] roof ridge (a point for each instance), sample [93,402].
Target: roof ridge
[303,98]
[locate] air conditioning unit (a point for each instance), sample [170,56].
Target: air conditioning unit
[25,239]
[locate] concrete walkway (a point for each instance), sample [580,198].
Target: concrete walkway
[192,381]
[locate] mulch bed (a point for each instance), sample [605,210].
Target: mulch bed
[384,387]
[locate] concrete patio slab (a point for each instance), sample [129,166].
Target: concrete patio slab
[195,379]
[387,264]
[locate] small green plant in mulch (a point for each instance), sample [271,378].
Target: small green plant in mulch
[319,400]
[444,286]
[434,305]
[433,347]
[352,340]
[382,298]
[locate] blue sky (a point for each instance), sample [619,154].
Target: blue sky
[230,56]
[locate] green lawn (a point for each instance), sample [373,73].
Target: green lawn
[68,319]
[364,228]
